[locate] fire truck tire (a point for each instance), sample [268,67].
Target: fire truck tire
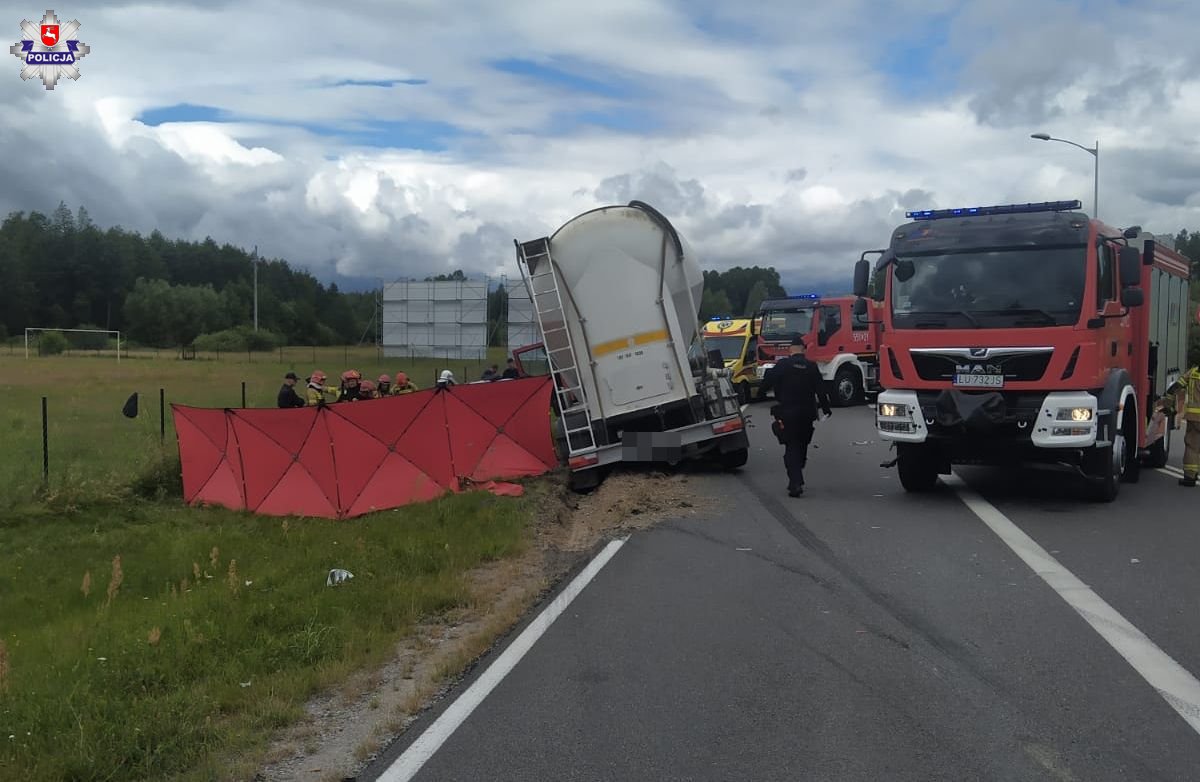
[918,468]
[743,392]
[1133,465]
[847,387]
[1102,466]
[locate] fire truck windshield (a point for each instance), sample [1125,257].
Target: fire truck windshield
[989,288]
[779,326]
[730,347]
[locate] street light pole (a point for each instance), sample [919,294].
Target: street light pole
[256,287]
[1095,153]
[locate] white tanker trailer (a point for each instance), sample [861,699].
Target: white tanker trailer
[616,292]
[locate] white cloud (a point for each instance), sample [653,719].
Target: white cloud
[778,137]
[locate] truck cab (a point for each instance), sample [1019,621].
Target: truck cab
[844,346]
[1023,333]
[735,340]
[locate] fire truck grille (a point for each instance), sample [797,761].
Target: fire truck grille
[1018,366]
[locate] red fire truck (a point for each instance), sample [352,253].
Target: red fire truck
[1023,333]
[845,347]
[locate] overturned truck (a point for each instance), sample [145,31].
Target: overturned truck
[616,294]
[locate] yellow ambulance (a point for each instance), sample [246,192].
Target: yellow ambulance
[731,336]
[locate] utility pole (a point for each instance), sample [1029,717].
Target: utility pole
[256,287]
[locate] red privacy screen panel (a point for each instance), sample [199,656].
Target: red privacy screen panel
[352,458]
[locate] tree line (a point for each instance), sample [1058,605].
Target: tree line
[63,271]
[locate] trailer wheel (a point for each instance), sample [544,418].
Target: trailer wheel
[847,386]
[743,392]
[732,460]
[918,469]
[585,480]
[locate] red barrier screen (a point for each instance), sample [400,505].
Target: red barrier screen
[347,459]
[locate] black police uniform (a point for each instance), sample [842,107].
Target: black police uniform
[288,397]
[800,390]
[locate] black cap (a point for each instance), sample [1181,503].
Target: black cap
[290,376]
[798,340]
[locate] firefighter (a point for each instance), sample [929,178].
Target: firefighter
[446,379]
[349,391]
[287,392]
[800,390]
[316,389]
[1187,392]
[385,386]
[366,390]
[403,385]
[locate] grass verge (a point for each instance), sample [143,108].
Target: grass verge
[143,640]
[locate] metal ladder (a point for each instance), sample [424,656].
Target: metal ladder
[560,352]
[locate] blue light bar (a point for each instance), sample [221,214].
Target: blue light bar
[806,296]
[1001,209]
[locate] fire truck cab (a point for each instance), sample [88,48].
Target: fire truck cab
[1025,333]
[843,345]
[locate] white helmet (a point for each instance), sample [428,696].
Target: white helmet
[446,377]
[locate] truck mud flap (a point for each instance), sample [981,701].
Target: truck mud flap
[651,447]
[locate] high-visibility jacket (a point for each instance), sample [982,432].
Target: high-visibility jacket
[1188,386]
[407,388]
[314,395]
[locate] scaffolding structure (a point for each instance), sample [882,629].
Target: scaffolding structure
[448,319]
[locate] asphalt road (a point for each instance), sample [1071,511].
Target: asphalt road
[856,633]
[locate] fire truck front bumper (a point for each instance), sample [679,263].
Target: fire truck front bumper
[1055,420]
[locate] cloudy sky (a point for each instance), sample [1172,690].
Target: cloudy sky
[399,139]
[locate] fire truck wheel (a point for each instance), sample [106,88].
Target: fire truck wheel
[1103,466]
[918,470]
[585,480]
[847,387]
[1133,465]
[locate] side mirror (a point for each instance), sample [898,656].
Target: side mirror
[905,270]
[1129,261]
[1132,297]
[860,308]
[862,277]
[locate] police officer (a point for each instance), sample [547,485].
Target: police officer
[800,390]
[287,392]
[1187,391]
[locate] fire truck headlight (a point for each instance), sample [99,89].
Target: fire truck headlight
[1077,414]
[892,410]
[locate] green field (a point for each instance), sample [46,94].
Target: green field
[213,627]
[92,447]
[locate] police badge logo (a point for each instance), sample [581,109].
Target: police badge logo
[49,50]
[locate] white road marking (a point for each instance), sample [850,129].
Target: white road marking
[1174,472]
[421,750]
[1173,682]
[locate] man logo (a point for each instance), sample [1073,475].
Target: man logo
[50,50]
[978,352]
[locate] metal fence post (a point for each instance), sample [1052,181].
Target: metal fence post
[45,444]
[243,393]
[162,415]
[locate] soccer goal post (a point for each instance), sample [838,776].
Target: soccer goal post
[101,334]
